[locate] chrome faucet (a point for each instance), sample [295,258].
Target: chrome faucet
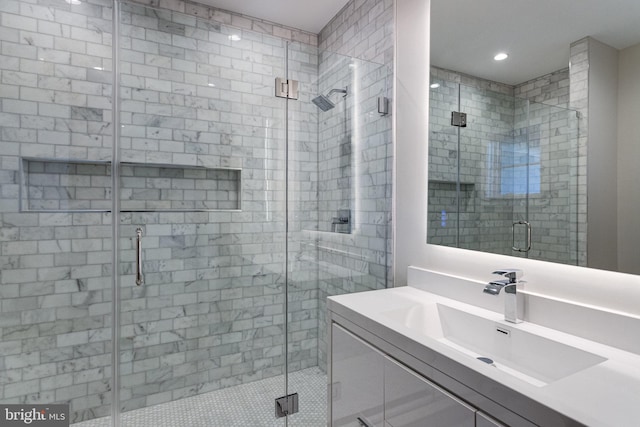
[513,300]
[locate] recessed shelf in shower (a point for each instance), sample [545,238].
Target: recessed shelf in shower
[52,185]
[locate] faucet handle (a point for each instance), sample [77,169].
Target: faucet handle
[513,274]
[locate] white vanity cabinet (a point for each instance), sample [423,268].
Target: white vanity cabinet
[410,400]
[357,381]
[368,388]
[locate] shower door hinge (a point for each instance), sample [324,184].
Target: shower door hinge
[286,88]
[458,119]
[383,105]
[286,405]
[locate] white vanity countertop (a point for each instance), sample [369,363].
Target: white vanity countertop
[605,394]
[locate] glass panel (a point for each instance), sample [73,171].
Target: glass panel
[490,159]
[55,235]
[339,206]
[203,336]
[442,226]
[553,165]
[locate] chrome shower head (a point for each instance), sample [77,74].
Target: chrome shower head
[324,103]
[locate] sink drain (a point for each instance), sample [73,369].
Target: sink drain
[485,360]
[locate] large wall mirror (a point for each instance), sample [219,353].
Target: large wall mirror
[533,145]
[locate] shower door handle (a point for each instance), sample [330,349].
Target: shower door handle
[139,275]
[513,236]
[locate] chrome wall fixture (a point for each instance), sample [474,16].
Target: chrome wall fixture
[139,275]
[383,105]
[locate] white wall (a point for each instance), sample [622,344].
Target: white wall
[628,158]
[615,291]
[411,112]
[602,157]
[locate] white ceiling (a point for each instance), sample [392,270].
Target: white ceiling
[466,34]
[308,15]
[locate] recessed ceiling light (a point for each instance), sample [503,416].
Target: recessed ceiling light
[73,1]
[211,85]
[98,68]
[434,85]
[234,37]
[501,56]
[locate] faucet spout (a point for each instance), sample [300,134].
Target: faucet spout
[513,300]
[494,288]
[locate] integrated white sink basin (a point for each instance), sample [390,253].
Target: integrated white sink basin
[530,357]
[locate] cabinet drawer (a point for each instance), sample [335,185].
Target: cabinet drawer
[412,401]
[357,381]
[483,420]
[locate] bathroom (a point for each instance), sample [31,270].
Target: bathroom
[238,210]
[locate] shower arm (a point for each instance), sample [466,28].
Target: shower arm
[332,91]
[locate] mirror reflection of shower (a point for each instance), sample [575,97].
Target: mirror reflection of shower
[324,101]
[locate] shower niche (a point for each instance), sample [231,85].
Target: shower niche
[85,186]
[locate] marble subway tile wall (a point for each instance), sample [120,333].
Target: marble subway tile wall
[200,92]
[211,312]
[55,90]
[355,154]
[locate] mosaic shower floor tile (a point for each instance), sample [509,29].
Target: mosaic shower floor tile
[246,405]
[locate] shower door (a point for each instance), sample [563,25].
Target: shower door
[55,218]
[201,222]
[339,206]
[546,139]
[492,173]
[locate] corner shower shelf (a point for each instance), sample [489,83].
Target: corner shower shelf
[52,185]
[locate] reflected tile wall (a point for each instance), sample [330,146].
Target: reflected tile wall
[497,113]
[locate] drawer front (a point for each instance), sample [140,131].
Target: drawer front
[410,400]
[357,381]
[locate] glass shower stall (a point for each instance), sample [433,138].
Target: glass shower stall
[170,228]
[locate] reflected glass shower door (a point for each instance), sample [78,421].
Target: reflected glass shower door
[551,207]
[202,223]
[444,158]
[491,172]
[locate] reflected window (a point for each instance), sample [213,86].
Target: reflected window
[514,169]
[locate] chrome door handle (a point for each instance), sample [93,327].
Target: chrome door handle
[513,236]
[139,275]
